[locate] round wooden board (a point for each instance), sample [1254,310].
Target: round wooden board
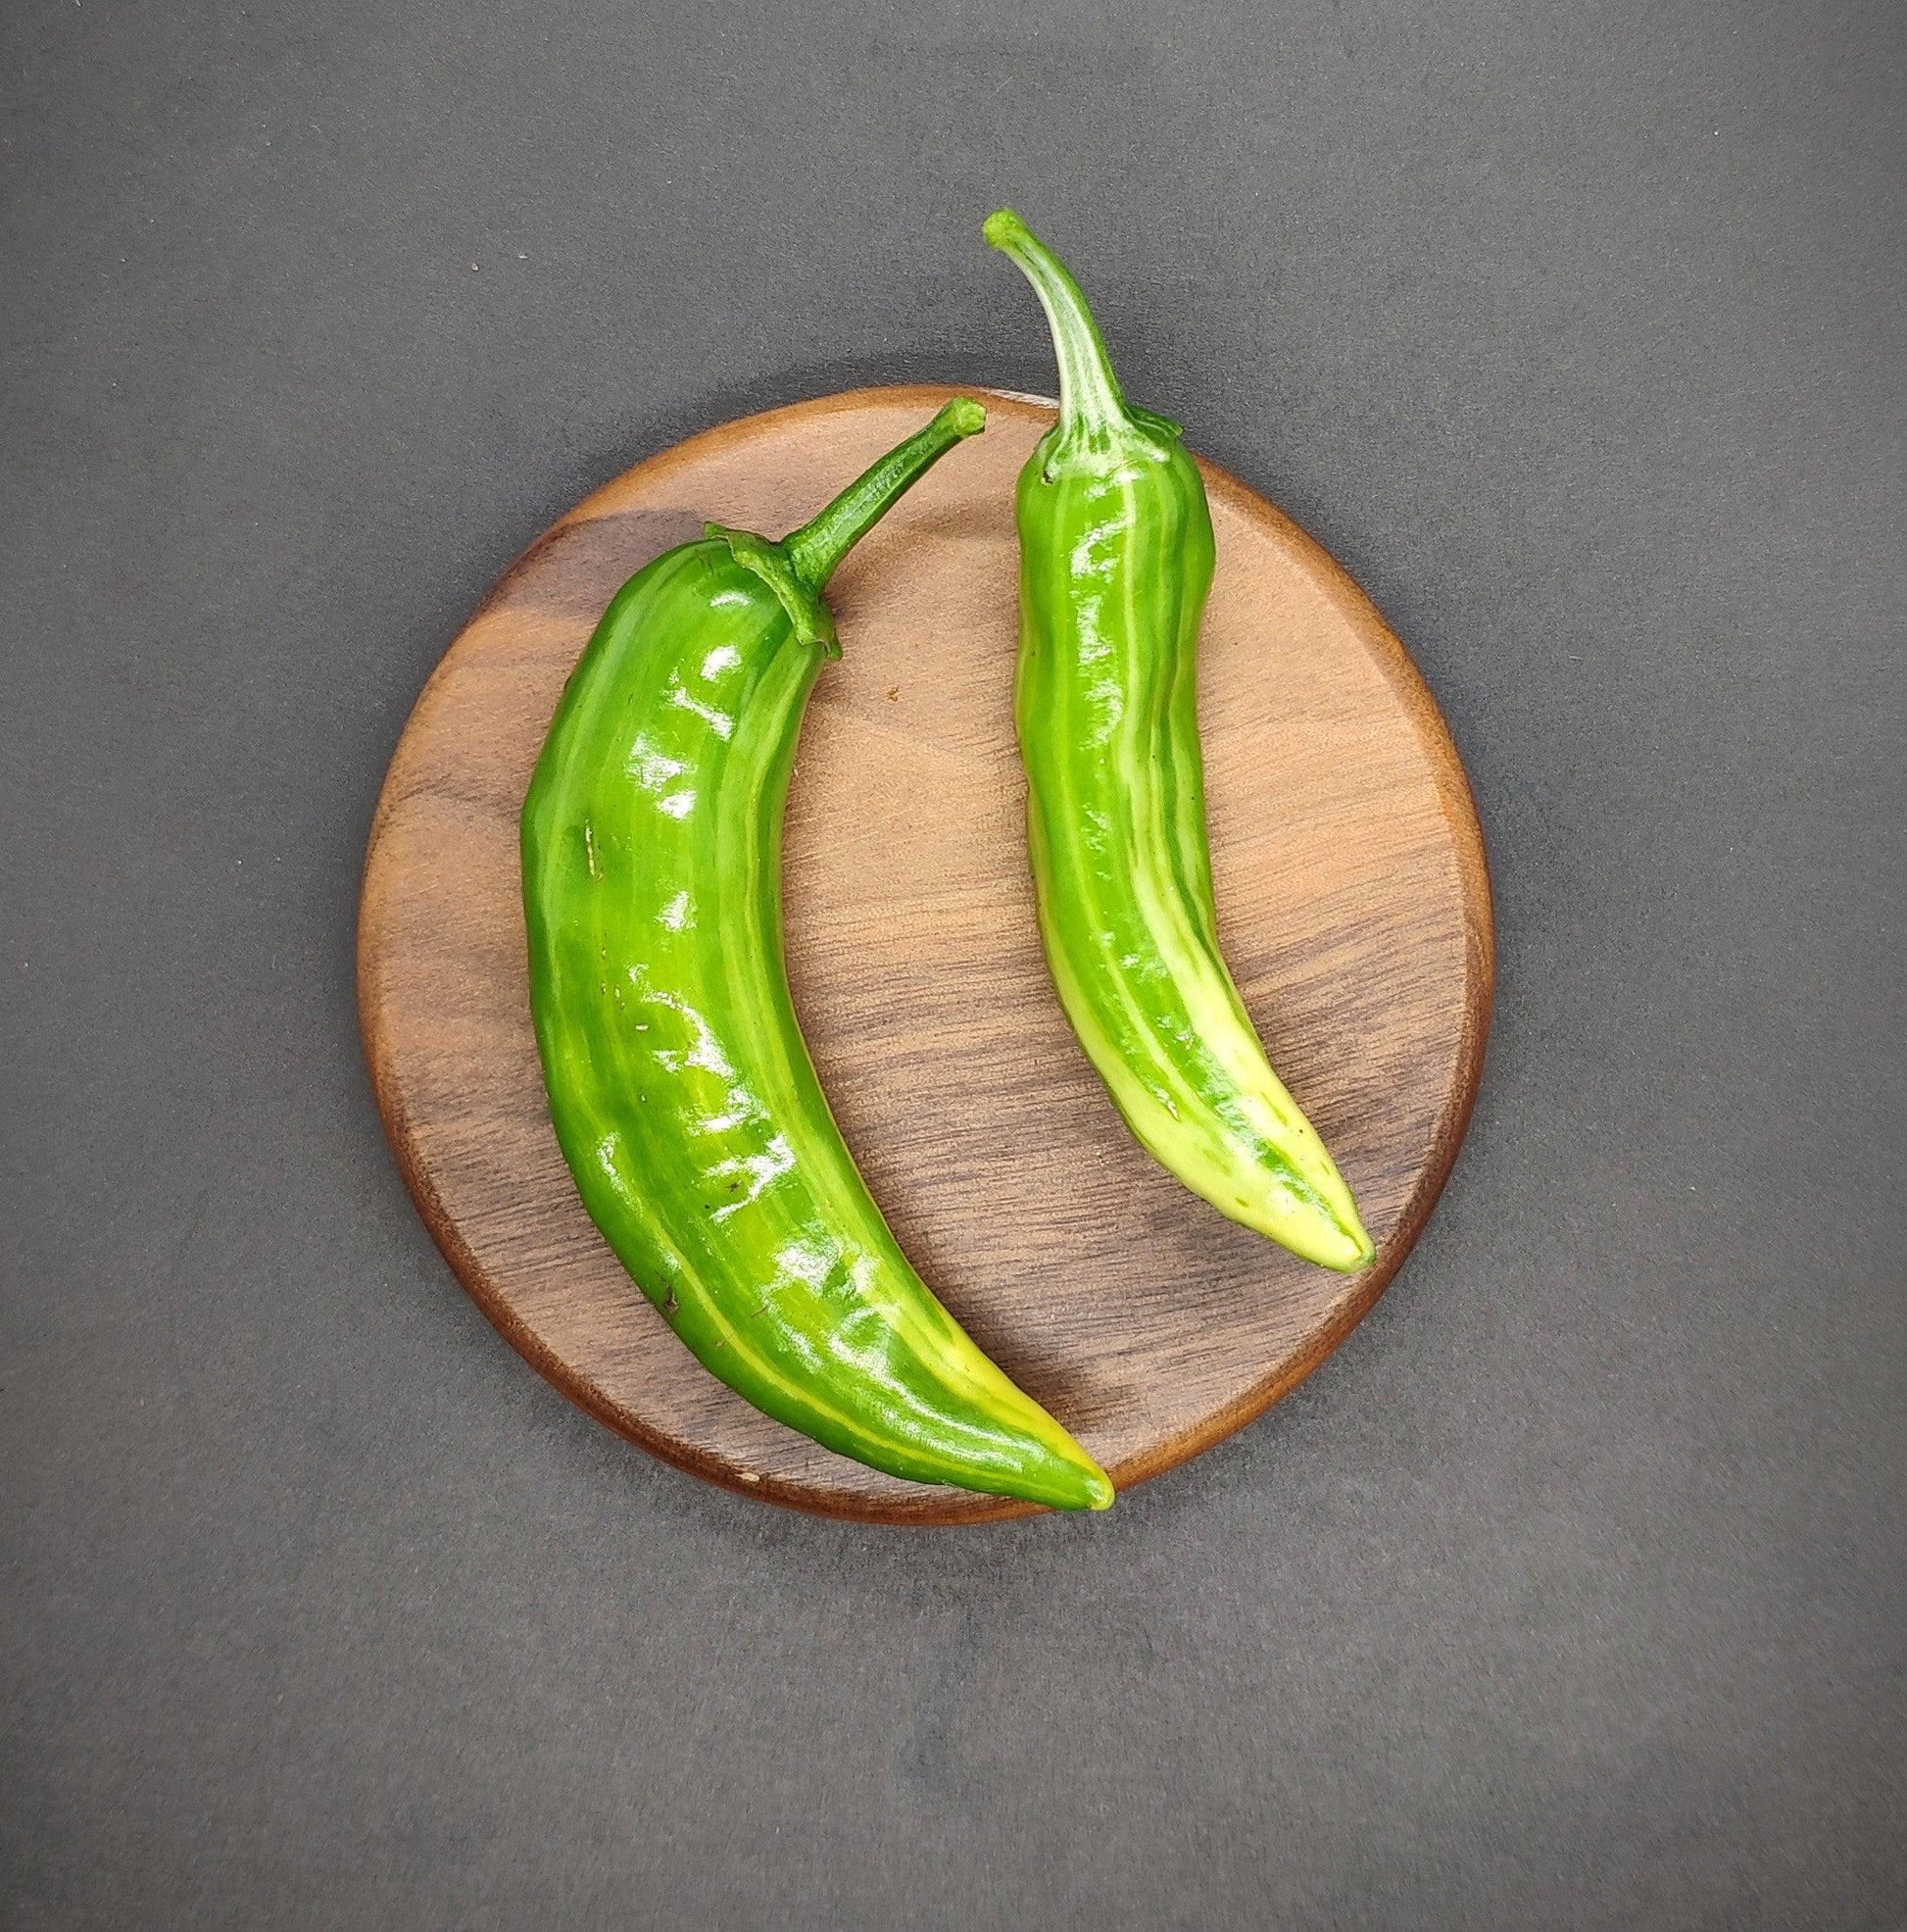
[1353,907]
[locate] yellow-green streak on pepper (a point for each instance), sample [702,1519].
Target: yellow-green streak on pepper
[680,1087]
[1115,561]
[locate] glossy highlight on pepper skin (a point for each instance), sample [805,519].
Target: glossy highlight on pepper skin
[1115,561]
[680,1087]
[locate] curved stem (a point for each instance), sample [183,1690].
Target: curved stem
[1089,396]
[819,546]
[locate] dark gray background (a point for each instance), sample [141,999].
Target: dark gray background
[1570,1592]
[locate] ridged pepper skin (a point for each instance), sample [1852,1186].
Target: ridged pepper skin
[1115,561]
[680,1087]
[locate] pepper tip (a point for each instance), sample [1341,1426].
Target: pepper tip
[1362,1251]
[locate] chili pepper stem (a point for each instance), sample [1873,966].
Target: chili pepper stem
[820,545]
[1089,396]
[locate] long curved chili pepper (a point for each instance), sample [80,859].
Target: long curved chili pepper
[680,1087]
[1115,561]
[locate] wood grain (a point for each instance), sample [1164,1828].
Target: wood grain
[1353,904]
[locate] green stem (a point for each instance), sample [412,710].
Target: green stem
[1089,396]
[819,546]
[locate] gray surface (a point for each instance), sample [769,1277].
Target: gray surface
[1570,1592]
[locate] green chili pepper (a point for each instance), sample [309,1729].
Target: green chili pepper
[1115,560]
[680,1087]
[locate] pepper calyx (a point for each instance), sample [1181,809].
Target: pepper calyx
[807,613]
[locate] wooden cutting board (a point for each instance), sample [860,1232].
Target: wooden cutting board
[1353,906]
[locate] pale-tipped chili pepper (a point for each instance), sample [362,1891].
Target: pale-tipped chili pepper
[680,1087]
[1115,561]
